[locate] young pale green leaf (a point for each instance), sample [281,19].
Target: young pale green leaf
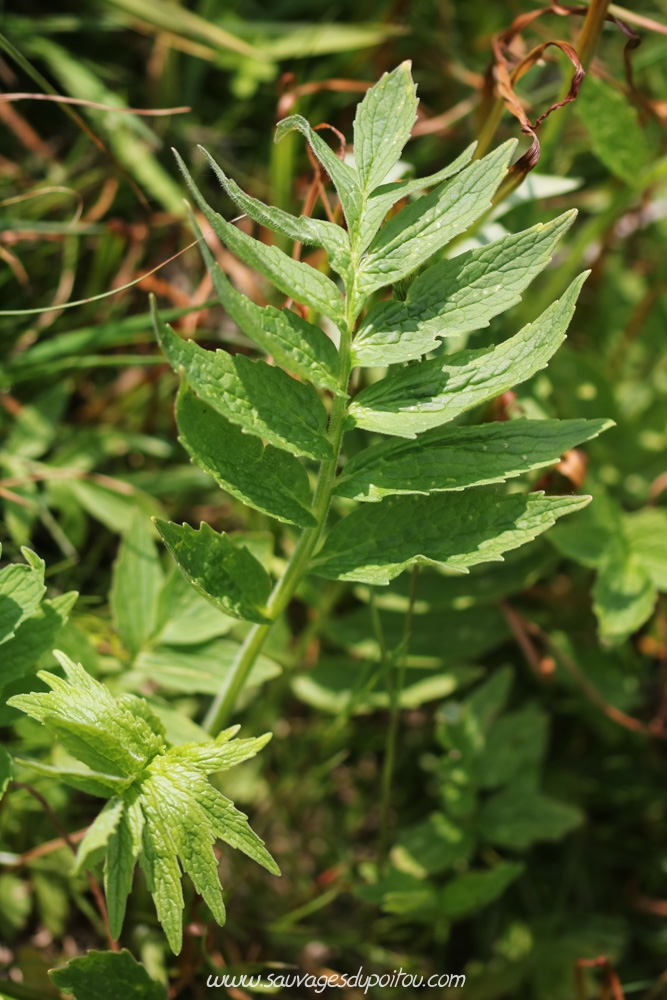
[313,232]
[225,574]
[375,544]
[429,393]
[108,735]
[382,126]
[300,281]
[457,296]
[623,595]
[202,669]
[294,343]
[423,227]
[378,203]
[261,476]
[262,399]
[81,778]
[107,975]
[343,176]
[453,458]
[137,581]
[165,813]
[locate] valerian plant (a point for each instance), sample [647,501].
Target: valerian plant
[273,434]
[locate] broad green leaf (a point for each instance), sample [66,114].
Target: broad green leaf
[262,399]
[426,394]
[617,138]
[515,744]
[107,975]
[6,770]
[623,594]
[382,126]
[646,531]
[591,533]
[300,281]
[344,177]
[21,591]
[36,636]
[294,343]
[375,544]
[412,236]
[453,458]
[379,201]
[166,815]
[457,296]
[200,669]
[471,892]
[313,232]
[137,582]
[225,574]
[518,816]
[261,476]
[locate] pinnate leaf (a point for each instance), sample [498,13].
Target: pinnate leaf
[457,296]
[453,458]
[261,476]
[226,574]
[166,811]
[429,393]
[262,399]
[374,544]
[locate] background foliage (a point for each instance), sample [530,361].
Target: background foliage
[530,747]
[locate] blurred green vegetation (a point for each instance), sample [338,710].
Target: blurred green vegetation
[558,656]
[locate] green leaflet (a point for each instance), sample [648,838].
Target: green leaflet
[21,591]
[294,343]
[343,176]
[302,229]
[107,975]
[471,892]
[429,393]
[384,197]
[165,812]
[426,225]
[262,399]
[453,458]
[225,574]
[137,581]
[375,544]
[623,594]
[517,817]
[457,296]
[261,476]
[35,636]
[300,281]
[383,124]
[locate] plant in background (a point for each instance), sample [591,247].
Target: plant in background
[273,435]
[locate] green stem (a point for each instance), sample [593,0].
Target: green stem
[396,691]
[297,567]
